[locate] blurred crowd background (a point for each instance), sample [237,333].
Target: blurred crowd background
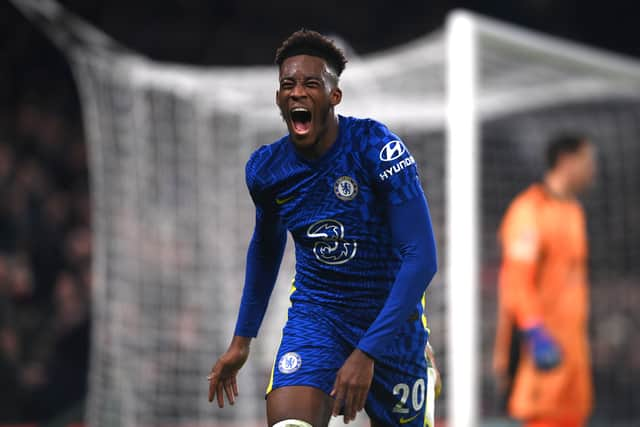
[45,254]
[45,230]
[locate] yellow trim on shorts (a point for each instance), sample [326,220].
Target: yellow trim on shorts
[273,367]
[425,323]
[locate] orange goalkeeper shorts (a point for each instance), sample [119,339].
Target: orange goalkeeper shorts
[565,422]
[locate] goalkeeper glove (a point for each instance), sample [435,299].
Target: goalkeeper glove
[545,351]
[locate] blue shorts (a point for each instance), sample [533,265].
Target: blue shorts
[316,341]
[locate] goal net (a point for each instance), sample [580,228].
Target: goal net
[172,218]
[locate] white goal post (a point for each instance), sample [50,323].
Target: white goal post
[462,219]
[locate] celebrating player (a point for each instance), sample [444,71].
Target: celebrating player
[543,294]
[348,191]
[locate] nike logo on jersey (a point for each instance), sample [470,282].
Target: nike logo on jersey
[284,200]
[408,420]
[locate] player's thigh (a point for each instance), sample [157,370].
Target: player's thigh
[304,403]
[398,397]
[312,350]
[399,391]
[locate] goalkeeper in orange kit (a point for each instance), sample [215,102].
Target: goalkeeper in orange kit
[543,294]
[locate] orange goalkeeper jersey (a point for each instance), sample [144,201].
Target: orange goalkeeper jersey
[543,278]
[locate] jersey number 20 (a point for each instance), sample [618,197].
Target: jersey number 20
[417,393]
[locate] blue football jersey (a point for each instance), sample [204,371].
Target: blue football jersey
[335,209]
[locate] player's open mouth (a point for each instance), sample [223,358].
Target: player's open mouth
[300,120]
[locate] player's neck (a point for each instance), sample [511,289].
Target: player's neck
[325,140]
[558,186]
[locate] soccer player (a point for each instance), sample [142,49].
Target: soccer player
[348,191]
[543,294]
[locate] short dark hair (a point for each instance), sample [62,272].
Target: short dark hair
[308,42]
[564,143]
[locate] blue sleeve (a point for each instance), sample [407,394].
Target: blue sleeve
[392,167]
[412,235]
[263,262]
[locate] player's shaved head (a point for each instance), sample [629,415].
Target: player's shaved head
[308,42]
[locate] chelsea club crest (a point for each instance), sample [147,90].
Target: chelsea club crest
[289,363]
[345,188]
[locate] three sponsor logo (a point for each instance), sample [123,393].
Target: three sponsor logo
[330,247]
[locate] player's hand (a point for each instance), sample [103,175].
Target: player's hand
[222,378]
[545,351]
[352,385]
[431,362]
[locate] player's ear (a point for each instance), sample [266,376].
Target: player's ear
[335,97]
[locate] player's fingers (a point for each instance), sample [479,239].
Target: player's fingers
[213,383]
[338,395]
[333,394]
[335,385]
[357,398]
[349,405]
[362,400]
[235,386]
[228,388]
[220,395]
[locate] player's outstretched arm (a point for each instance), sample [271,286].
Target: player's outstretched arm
[263,262]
